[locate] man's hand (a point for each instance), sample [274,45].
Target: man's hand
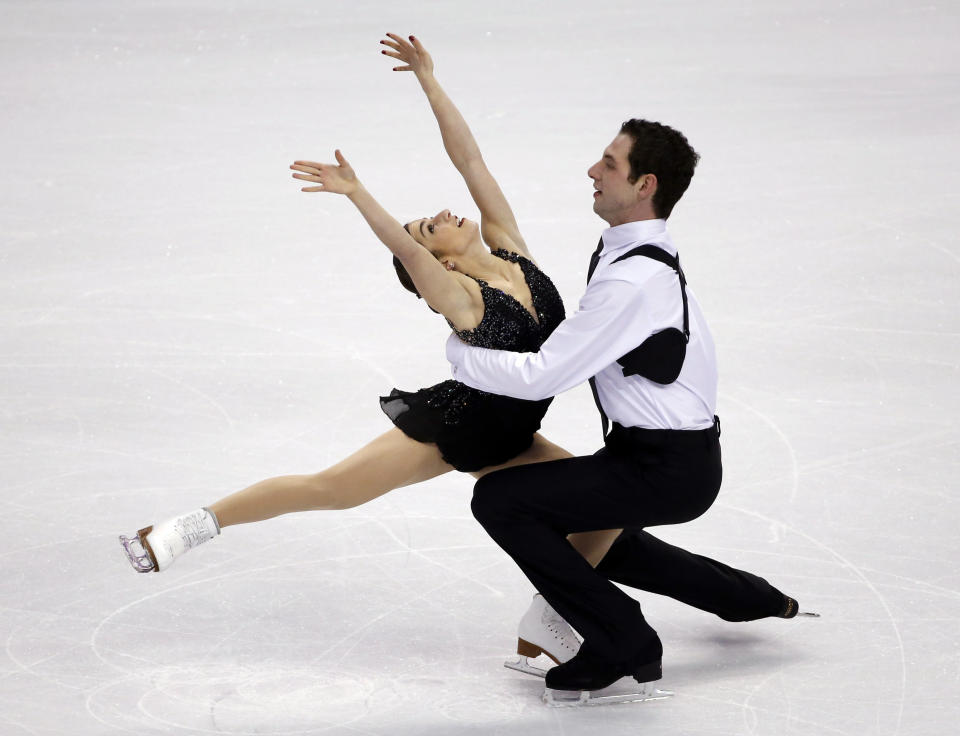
[411,52]
[336,178]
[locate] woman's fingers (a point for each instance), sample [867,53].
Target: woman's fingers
[399,40]
[306,170]
[312,189]
[308,177]
[402,49]
[307,165]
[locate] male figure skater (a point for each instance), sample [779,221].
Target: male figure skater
[640,338]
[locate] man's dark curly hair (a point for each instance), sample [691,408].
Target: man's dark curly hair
[664,152]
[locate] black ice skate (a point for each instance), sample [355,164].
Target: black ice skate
[584,680]
[791,609]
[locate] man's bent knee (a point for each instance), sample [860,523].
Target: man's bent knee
[491,498]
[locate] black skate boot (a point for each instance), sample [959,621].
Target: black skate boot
[791,609]
[577,681]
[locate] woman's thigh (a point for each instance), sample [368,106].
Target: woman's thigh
[390,461]
[542,450]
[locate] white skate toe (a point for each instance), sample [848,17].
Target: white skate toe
[542,631]
[155,548]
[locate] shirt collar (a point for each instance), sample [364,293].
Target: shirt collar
[641,232]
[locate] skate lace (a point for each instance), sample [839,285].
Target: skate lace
[191,530]
[560,629]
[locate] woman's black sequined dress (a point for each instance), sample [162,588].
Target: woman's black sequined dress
[475,429]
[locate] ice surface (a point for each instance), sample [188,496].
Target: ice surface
[177,321]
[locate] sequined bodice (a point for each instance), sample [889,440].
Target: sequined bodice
[506,323]
[469,423]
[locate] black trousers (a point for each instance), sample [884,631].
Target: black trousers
[641,478]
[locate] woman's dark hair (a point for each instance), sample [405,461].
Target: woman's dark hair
[664,152]
[406,280]
[405,277]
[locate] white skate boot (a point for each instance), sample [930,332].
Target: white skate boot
[542,631]
[155,548]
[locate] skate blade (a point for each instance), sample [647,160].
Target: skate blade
[808,614]
[137,553]
[579,698]
[522,664]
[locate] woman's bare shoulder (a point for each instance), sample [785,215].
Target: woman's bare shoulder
[468,319]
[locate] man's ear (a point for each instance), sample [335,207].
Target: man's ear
[646,186]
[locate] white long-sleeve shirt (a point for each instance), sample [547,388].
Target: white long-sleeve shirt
[623,305]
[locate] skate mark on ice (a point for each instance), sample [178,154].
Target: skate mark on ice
[419,553]
[17,724]
[218,407]
[29,668]
[815,726]
[150,671]
[794,465]
[934,588]
[193,579]
[866,581]
[398,607]
[97,648]
[857,456]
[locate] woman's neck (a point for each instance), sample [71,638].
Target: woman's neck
[482,264]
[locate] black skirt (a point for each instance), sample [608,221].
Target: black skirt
[473,429]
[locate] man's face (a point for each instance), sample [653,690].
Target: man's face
[615,197]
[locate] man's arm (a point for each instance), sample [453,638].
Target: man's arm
[610,321]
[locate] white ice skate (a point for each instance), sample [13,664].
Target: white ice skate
[155,548]
[542,631]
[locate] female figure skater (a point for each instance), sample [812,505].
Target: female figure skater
[493,296]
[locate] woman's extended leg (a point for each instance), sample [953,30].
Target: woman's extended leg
[592,545]
[392,460]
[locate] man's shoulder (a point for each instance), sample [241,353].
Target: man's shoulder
[636,268]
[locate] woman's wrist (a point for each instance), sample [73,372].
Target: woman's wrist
[428,82]
[357,191]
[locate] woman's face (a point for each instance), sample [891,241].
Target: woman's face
[443,234]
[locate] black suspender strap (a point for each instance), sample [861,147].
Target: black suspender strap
[671,337]
[604,422]
[659,254]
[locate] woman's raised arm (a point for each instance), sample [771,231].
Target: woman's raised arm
[439,287]
[498,226]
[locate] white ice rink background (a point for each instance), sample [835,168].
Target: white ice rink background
[177,321]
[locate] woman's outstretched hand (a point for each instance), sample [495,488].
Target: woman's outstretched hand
[338,178]
[411,52]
